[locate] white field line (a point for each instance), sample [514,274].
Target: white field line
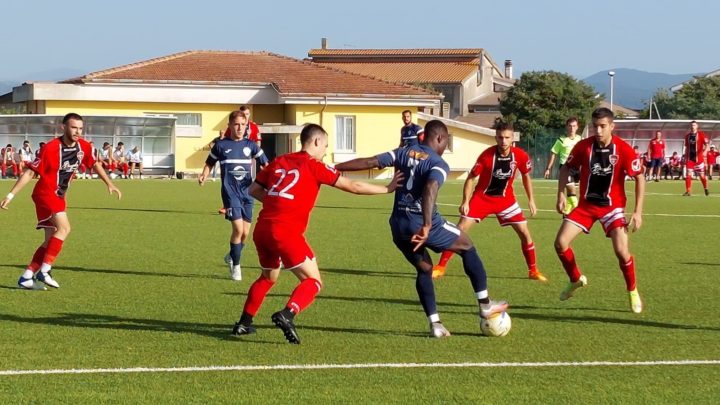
[644,214]
[363,365]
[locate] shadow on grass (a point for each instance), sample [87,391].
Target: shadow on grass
[619,321]
[217,331]
[384,300]
[60,269]
[371,273]
[700,263]
[355,208]
[144,210]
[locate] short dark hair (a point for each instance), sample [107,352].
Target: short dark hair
[693,122]
[434,127]
[72,116]
[309,131]
[603,112]
[244,108]
[120,144]
[234,115]
[571,119]
[104,144]
[406,111]
[502,125]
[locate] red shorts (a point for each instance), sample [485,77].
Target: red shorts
[45,208]
[506,209]
[585,215]
[695,166]
[276,246]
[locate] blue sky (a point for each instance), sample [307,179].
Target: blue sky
[578,37]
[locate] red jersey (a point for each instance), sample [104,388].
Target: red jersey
[712,156]
[292,182]
[675,161]
[252,132]
[56,165]
[498,172]
[695,146]
[603,170]
[7,154]
[657,149]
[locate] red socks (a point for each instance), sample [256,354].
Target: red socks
[567,258]
[529,253]
[256,295]
[303,295]
[445,258]
[628,270]
[703,180]
[688,183]
[37,259]
[52,250]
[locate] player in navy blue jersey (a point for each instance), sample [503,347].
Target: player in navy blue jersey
[410,133]
[236,155]
[416,224]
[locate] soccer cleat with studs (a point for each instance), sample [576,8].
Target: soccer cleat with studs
[240,330]
[438,271]
[287,326]
[47,279]
[572,287]
[636,304]
[437,330]
[494,307]
[537,275]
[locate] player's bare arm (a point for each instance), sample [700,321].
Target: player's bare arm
[358,164]
[257,191]
[19,184]
[361,187]
[562,182]
[636,218]
[203,176]
[548,169]
[430,193]
[467,194]
[104,177]
[527,184]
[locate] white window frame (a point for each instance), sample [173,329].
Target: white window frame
[182,131]
[342,122]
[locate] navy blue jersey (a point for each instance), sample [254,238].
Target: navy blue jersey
[419,164]
[236,162]
[409,134]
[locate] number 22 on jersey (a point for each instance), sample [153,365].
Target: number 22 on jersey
[284,192]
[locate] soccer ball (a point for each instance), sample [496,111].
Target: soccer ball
[497,325]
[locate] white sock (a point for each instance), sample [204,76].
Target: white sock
[434,318]
[28,273]
[45,267]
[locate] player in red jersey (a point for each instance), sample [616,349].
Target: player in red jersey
[59,160]
[252,132]
[7,155]
[712,161]
[603,160]
[288,188]
[694,152]
[494,194]
[656,153]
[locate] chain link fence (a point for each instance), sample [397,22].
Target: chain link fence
[538,147]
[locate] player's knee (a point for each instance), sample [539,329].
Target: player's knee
[560,245]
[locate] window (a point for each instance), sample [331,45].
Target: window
[187,125]
[345,134]
[449,147]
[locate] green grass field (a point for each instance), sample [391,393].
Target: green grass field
[144,286]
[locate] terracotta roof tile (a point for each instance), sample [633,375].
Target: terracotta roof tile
[414,72]
[290,76]
[472,52]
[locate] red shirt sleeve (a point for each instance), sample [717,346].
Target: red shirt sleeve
[323,173]
[88,158]
[477,168]
[524,164]
[631,164]
[576,156]
[262,178]
[41,161]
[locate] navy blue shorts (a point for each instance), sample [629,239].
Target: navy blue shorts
[442,234]
[242,210]
[656,163]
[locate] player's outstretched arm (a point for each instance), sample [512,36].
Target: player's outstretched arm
[361,187]
[358,164]
[527,184]
[19,184]
[636,218]
[104,177]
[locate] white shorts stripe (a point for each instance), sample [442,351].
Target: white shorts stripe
[450,227]
[513,207]
[577,224]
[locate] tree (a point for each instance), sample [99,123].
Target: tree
[546,99]
[698,99]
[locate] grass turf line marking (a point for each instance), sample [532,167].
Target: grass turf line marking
[362,365]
